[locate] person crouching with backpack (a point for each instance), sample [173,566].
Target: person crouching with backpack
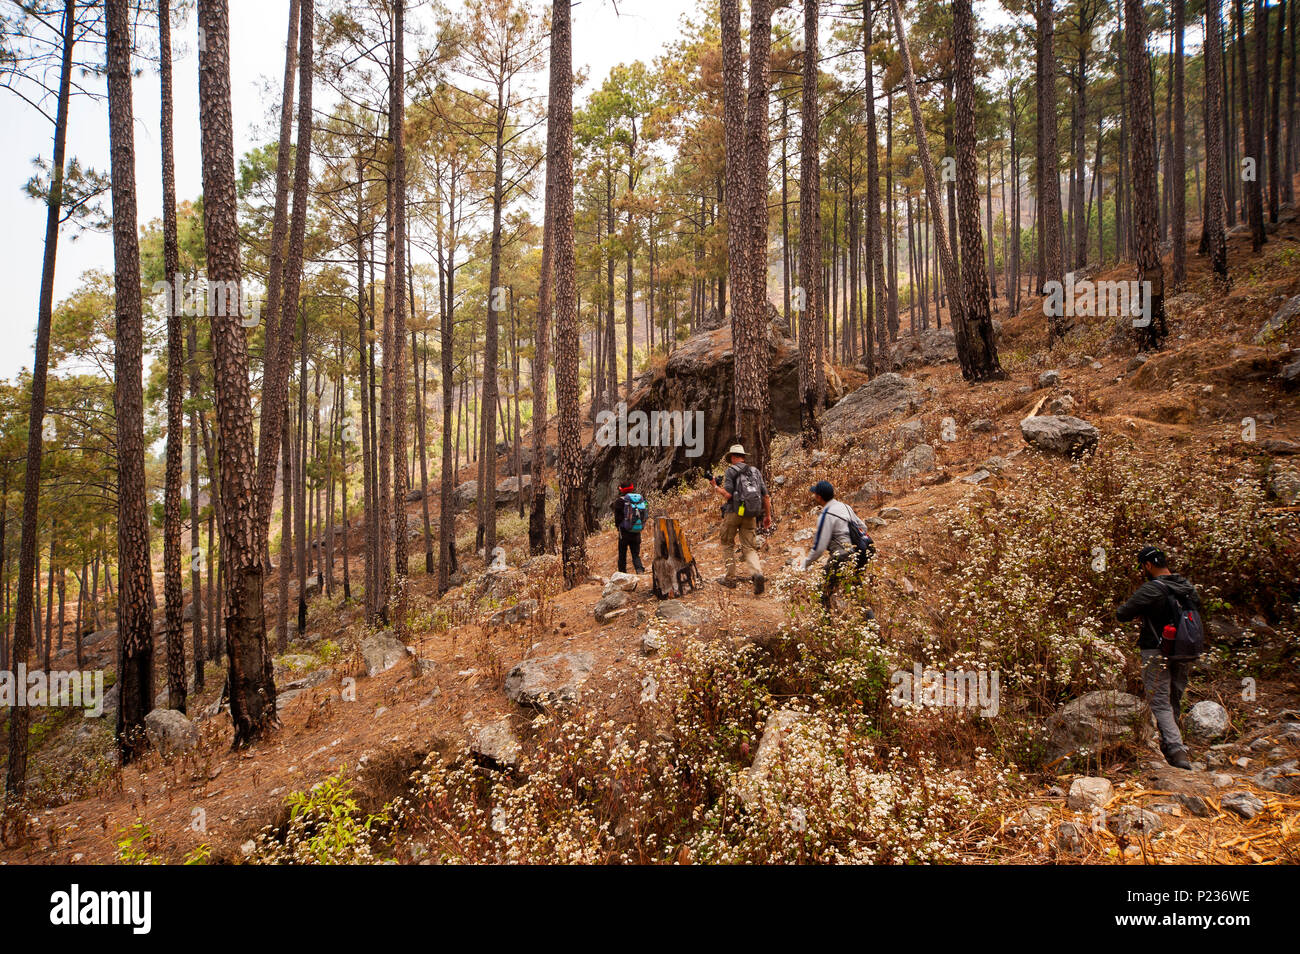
[630,517]
[841,534]
[745,493]
[1170,609]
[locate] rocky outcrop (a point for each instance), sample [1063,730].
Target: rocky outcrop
[539,682]
[883,397]
[697,380]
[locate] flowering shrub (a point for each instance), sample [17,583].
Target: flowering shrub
[1040,569]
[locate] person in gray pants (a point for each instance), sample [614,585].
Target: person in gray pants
[1163,679]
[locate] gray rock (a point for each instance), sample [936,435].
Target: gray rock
[1064,404]
[415,496]
[1195,805]
[683,614]
[915,462]
[910,433]
[870,492]
[981,425]
[978,477]
[521,611]
[1088,793]
[1280,448]
[541,682]
[614,603]
[1284,778]
[1049,379]
[465,495]
[1284,484]
[1242,803]
[806,534]
[1206,720]
[1132,820]
[1069,837]
[1291,373]
[170,732]
[1056,434]
[891,513]
[1271,328]
[884,396]
[622,581]
[1095,722]
[495,742]
[382,652]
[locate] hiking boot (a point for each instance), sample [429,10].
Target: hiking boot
[727,581]
[759,583]
[1178,759]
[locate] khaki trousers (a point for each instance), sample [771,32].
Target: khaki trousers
[746,550]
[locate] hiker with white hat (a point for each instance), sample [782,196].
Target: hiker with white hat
[746,496]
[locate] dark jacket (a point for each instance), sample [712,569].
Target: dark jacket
[1154,604]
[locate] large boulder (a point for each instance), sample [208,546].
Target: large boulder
[382,652]
[524,609]
[170,732]
[540,682]
[884,396]
[1057,434]
[1095,722]
[695,389]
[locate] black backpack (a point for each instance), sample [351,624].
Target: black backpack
[1189,630]
[865,546]
[748,498]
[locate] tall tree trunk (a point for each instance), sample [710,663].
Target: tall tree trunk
[1215,205]
[135,587]
[1178,159]
[541,337]
[1151,329]
[397,288]
[275,374]
[20,716]
[749,318]
[573,505]
[173,589]
[810,232]
[252,691]
[1049,183]
[956,313]
[972,322]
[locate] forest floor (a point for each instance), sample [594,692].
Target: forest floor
[1188,400]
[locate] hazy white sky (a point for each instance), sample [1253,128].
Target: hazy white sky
[601,39]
